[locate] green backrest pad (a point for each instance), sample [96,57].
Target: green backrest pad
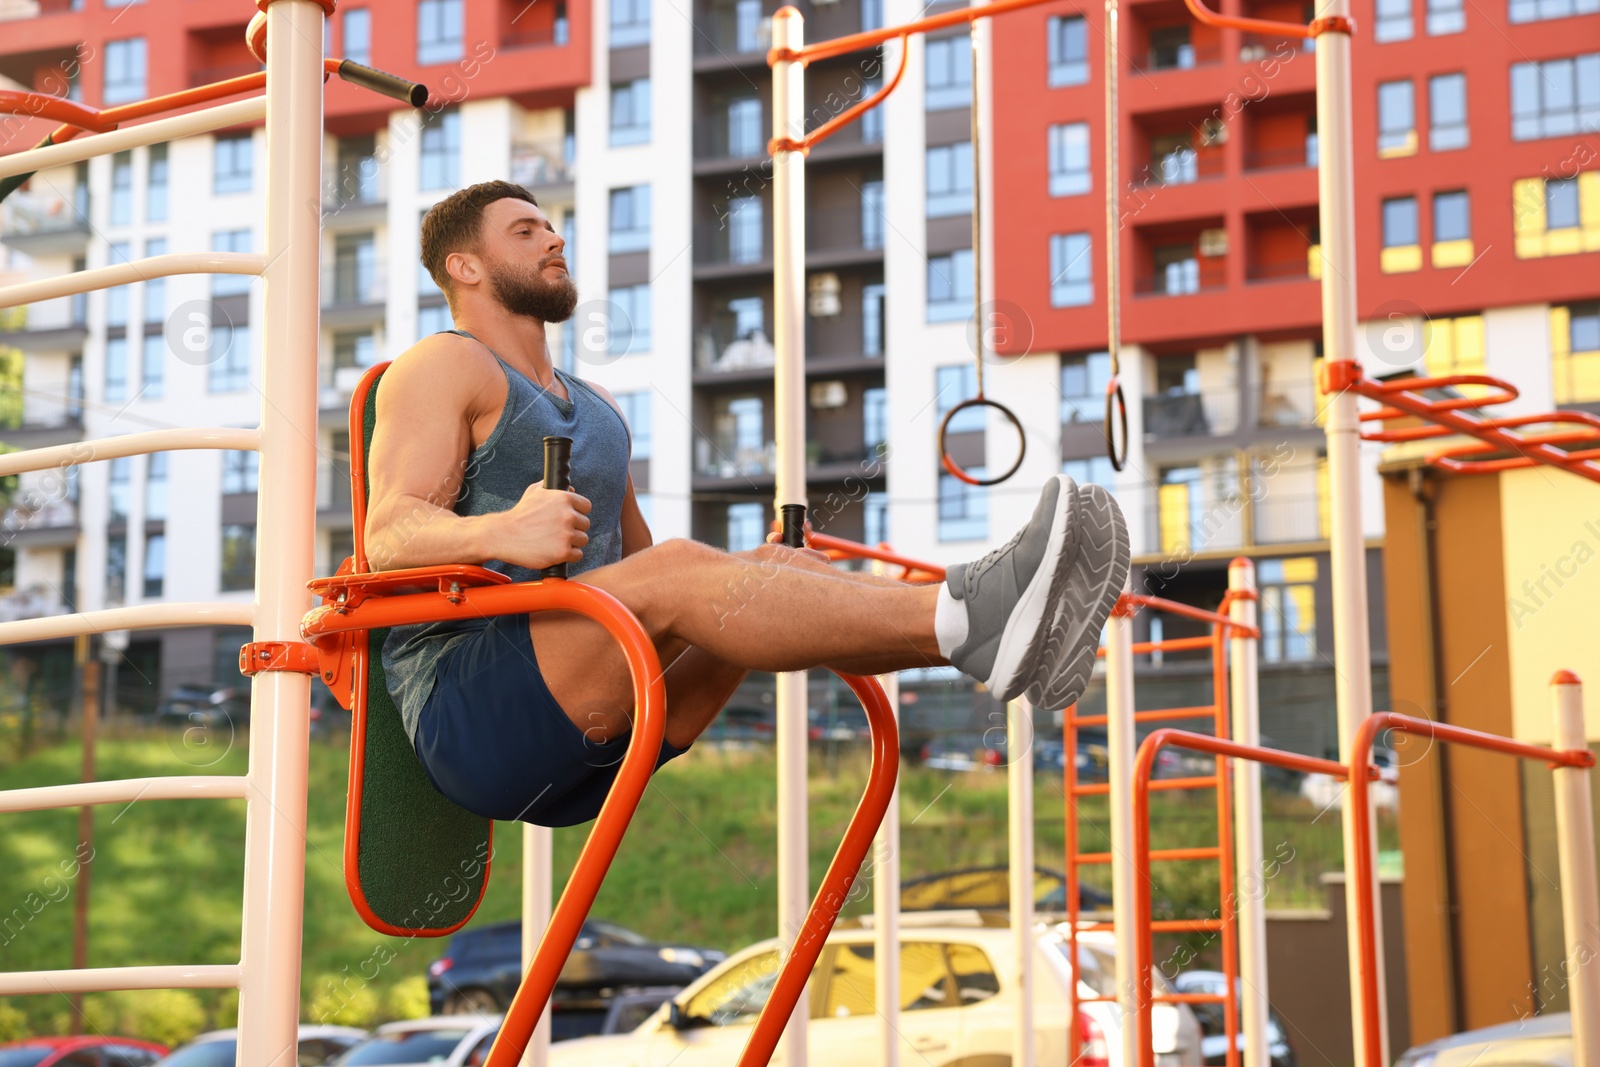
[422,859]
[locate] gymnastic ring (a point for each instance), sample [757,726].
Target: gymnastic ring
[950,464]
[1116,405]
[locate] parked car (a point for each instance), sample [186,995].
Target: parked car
[455,1041]
[1535,1041]
[1213,1021]
[219,1048]
[481,968]
[99,1051]
[958,1006]
[205,705]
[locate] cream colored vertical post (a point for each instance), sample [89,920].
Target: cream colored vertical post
[1121,743]
[1347,548]
[789,406]
[275,813]
[537,844]
[1019,780]
[886,901]
[1580,897]
[1249,884]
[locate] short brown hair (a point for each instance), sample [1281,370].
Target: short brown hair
[455,224]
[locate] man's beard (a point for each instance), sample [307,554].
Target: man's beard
[531,294]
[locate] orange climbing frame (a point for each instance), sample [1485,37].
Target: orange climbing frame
[1218,712]
[1574,445]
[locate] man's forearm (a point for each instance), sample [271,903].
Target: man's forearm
[410,532]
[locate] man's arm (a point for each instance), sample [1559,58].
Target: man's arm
[417,463]
[635,531]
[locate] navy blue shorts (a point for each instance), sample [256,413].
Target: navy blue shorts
[493,739]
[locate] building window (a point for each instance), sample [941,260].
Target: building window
[747,526]
[1170,48]
[949,170]
[950,286]
[241,472]
[875,420]
[155,564]
[1393,21]
[952,385]
[1093,470]
[1447,111]
[630,112]
[1071,270]
[155,290]
[1535,10]
[355,270]
[630,220]
[1288,609]
[963,508]
[439,31]
[230,241]
[116,568]
[636,410]
[872,216]
[1547,214]
[117,297]
[155,195]
[125,71]
[116,370]
[155,488]
[229,371]
[1445,16]
[871,15]
[1069,158]
[875,518]
[441,152]
[354,350]
[1083,387]
[630,333]
[630,22]
[1453,346]
[1067,46]
[1177,271]
[1452,229]
[1397,125]
[1575,353]
[949,72]
[122,189]
[358,35]
[1401,251]
[744,127]
[1561,203]
[872,295]
[1555,98]
[152,363]
[119,494]
[232,167]
[872,122]
[434,318]
[238,557]
[746,229]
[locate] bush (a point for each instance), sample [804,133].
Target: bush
[342,1000]
[170,1016]
[407,999]
[13,1023]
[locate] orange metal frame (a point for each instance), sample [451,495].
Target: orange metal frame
[1575,449]
[1226,924]
[1361,769]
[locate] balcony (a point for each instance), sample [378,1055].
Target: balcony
[50,524]
[1183,166]
[43,331]
[35,602]
[353,294]
[1193,423]
[1208,414]
[1192,519]
[57,429]
[732,246]
[15,10]
[544,169]
[1182,277]
[208,75]
[733,35]
[46,225]
[846,235]
[352,198]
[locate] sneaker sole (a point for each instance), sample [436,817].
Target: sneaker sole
[1094,583]
[1028,627]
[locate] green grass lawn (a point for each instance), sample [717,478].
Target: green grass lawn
[698,866]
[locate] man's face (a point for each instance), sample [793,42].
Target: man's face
[522,255]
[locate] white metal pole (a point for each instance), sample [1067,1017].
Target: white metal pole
[275,818]
[1580,897]
[1019,774]
[1347,548]
[886,903]
[1249,887]
[789,407]
[1121,743]
[536,902]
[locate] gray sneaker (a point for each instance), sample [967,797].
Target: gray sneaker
[1011,594]
[1094,581]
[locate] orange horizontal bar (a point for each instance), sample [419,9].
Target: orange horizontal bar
[855,42]
[1158,715]
[1210,853]
[1190,998]
[1163,926]
[1173,644]
[840,548]
[1104,788]
[1221,747]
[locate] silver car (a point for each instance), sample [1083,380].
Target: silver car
[443,1040]
[1534,1041]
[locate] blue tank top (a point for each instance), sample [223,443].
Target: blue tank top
[498,472]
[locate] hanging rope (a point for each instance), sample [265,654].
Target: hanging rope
[979,400]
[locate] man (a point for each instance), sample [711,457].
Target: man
[526,717]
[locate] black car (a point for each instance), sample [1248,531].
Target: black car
[479,972]
[205,705]
[1213,1026]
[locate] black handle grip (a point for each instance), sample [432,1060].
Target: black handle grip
[407,92]
[793,525]
[557,475]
